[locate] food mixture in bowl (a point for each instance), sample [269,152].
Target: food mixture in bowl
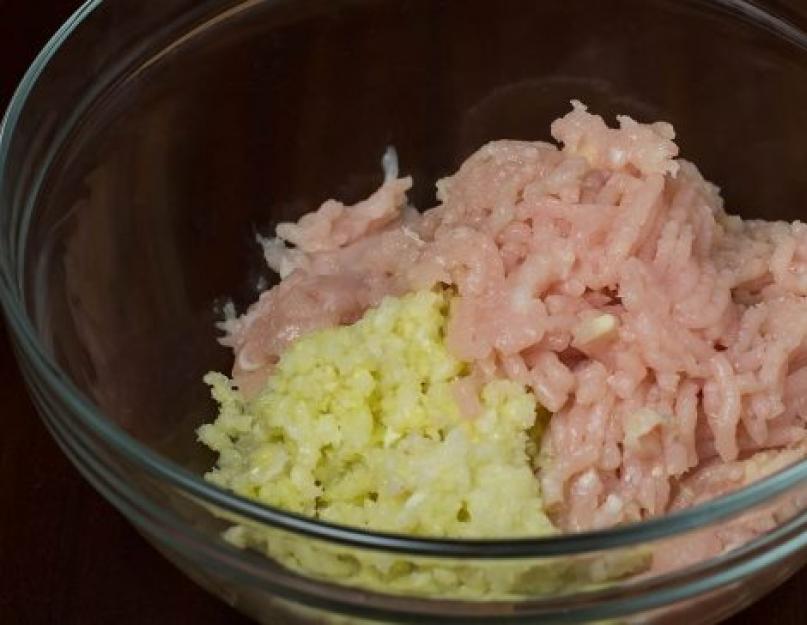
[574,338]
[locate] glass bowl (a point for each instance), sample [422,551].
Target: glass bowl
[150,141]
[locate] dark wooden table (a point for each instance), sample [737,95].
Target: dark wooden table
[66,556]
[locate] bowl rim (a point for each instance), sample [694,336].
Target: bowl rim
[24,334]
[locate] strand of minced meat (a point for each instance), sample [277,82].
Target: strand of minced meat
[663,334]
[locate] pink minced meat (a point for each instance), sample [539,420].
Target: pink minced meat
[665,336]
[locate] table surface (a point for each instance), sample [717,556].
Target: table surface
[66,556]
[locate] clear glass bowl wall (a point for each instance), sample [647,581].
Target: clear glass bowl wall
[150,140]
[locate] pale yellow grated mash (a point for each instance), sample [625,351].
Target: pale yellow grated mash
[358,425]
